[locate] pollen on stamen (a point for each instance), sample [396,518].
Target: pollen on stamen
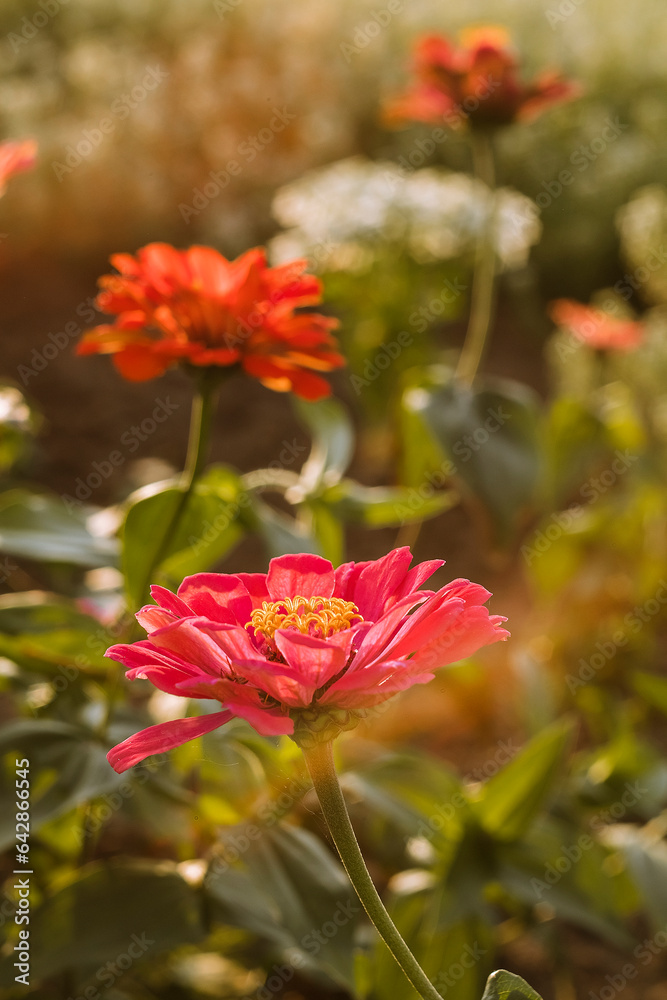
[318,616]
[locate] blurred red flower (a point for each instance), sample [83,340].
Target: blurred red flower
[476,82]
[303,649]
[596,328]
[196,306]
[15,157]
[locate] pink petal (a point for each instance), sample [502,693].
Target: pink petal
[170,602]
[144,653]
[377,582]
[416,576]
[188,639]
[218,596]
[302,575]
[234,640]
[173,682]
[471,593]
[151,618]
[255,584]
[315,660]
[379,635]
[427,624]
[263,677]
[267,722]
[165,736]
[473,629]
[374,684]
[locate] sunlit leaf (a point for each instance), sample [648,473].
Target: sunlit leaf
[43,528]
[510,800]
[503,985]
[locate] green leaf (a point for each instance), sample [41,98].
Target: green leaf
[40,527]
[502,985]
[490,435]
[510,800]
[289,888]
[575,443]
[384,506]
[177,534]
[652,689]
[333,444]
[111,910]
[67,759]
[281,534]
[328,530]
[49,634]
[646,859]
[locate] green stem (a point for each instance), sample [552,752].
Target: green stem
[203,407]
[482,296]
[319,760]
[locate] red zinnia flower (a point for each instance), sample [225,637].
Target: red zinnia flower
[478,81]
[302,650]
[195,305]
[15,157]
[596,328]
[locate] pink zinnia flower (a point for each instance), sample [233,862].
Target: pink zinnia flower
[15,157]
[596,328]
[301,650]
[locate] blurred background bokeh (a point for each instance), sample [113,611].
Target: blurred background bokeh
[235,123]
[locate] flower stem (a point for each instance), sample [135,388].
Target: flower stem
[319,760]
[203,406]
[484,279]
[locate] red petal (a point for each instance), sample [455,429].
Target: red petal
[315,660]
[163,737]
[221,597]
[302,575]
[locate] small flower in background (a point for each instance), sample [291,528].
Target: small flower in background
[304,649]
[346,214]
[196,306]
[16,155]
[596,328]
[476,82]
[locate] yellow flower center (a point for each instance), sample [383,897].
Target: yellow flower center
[318,616]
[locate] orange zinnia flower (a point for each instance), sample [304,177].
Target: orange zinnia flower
[196,306]
[478,82]
[596,328]
[15,157]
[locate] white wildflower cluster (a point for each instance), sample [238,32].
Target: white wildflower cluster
[642,225]
[344,215]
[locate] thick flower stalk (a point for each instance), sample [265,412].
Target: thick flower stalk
[195,306]
[304,649]
[596,328]
[476,83]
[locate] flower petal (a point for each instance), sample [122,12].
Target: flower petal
[315,660]
[375,684]
[377,582]
[218,596]
[302,575]
[255,584]
[170,602]
[165,736]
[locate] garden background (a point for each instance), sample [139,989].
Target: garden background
[512,811]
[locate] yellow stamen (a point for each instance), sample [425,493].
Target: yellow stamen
[320,616]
